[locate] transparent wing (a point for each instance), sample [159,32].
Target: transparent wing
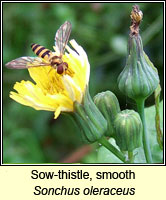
[26,62]
[62,36]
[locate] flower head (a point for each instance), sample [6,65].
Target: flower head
[52,91]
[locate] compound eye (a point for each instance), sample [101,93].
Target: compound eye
[60,69]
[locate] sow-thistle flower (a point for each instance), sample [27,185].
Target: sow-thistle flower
[52,91]
[60,84]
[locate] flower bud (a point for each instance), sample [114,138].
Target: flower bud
[139,79]
[128,130]
[109,106]
[90,120]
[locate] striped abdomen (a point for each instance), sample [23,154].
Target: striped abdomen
[40,51]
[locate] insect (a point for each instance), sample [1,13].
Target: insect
[45,56]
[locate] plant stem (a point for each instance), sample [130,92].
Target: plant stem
[111,148]
[147,151]
[130,156]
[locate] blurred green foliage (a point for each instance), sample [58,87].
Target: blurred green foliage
[102,29]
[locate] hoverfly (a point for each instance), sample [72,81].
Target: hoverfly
[45,56]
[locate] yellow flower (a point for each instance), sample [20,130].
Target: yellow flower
[52,91]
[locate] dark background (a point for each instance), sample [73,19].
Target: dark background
[102,29]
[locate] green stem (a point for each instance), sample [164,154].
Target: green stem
[111,148]
[130,156]
[147,151]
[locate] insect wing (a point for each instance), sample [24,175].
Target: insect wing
[62,36]
[25,62]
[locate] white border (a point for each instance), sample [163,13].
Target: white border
[109,164]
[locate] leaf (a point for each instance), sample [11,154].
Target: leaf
[157,153]
[157,117]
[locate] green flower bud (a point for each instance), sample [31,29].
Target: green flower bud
[139,79]
[128,130]
[90,120]
[109,106]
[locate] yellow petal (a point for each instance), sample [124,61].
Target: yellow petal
[31,95]
[47,79]
[57,113]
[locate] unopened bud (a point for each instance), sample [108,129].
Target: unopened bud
[128,130]
[108,104]
[139,79]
